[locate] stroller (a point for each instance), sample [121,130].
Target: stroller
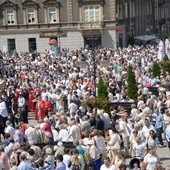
[134,163]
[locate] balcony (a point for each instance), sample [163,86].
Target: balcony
[90,25]
[64,25]
[39,26]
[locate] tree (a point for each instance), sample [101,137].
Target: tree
[156,70]
[101,101]
[102,89]
[166,58]
[132,88]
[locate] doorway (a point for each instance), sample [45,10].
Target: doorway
[92,42]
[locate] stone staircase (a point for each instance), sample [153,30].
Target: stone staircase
[31,118]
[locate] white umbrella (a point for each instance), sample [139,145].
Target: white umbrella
[167,48]
[161,50]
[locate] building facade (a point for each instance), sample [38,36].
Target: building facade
[162,17]
[28,25]
[144,17]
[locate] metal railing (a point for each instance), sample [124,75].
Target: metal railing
[89,25]
[64,25]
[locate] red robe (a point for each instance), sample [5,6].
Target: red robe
[47,104]
[31,97]
[24,126]
[39,110]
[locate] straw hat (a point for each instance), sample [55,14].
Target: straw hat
[48,151]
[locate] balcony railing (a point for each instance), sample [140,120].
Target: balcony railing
[90,25]
[39,26]
[62,25]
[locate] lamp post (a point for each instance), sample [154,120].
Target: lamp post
[94,64]
[59,32]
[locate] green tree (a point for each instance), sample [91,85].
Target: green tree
[166,58]
[102,89]
[156,70]
[132,88]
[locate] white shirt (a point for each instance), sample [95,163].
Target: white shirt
[9,129]
[124,127]
[3,109]
[150,161]
[44,95]
[140,103]
[66,160]
[55,134]
[72,107]
[21,101]
[42,125]
[74,132]
[63,135]
[110,95]
[134,112]
[113,139]
[139,149]
[100,143]
[110,167]
[145,130]
[31,135]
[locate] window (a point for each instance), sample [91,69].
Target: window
[32,44]
[52,15]
[118,12]
[31,16]
[10,16]
[11,45]
[133,9]
[126,10]
[91,13]
[130,9]
[147,8]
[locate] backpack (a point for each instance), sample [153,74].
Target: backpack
[85,157]
[83,153]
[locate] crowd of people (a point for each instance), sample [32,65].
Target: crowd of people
[55,88]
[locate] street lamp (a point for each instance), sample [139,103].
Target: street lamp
[59,32]
[94,64]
